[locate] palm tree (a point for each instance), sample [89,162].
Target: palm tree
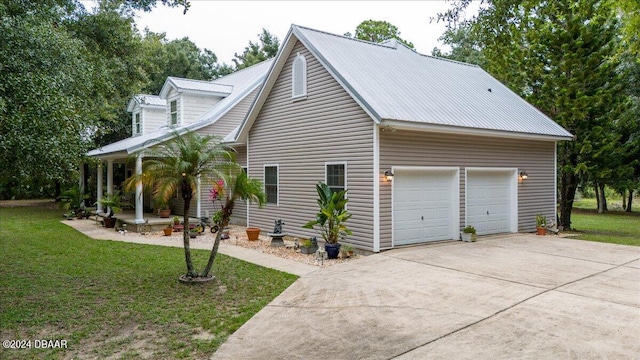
[238,187]
[178,165]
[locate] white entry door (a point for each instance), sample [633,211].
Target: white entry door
[490,201]
[425,205]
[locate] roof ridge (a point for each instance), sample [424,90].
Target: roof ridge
[384,45]
[345,37]
[450,60]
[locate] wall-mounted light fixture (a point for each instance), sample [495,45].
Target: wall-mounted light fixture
[524,175]
[388,175]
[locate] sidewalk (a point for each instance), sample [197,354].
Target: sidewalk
[95,231]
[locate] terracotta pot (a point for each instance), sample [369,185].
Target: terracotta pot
[168,231]
[164,213]
[541,231]
[253,233]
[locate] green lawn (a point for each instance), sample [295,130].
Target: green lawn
[612,227]
[118,300]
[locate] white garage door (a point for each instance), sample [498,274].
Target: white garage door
[425,205]
[490,200]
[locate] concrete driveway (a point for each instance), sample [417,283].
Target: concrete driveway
[506,297]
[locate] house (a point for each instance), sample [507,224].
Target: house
[208,107]
[424,145]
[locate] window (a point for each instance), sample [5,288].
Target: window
[173,112]
[299,77]
[336,176]
[137,125]
[271,183]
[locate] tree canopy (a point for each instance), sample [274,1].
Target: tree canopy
[378,31]
[565,58]
[266,48]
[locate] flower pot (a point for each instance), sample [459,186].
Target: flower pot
[193,234]
[468,237]
[253,233]
[332,250]
[308,249]
[168,231]
[541,231]
[164,213]
[110,222]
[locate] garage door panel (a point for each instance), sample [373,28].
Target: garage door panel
[488,198]
[423,202]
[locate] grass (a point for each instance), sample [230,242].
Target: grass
[119,300]
[614,227]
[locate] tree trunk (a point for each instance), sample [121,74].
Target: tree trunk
[226,217]
[186,196]
[630,200]
[624,199]
[602,200]
[568,187]
[597,190]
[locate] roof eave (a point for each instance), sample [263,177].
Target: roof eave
[460,130]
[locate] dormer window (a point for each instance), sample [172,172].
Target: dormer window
[299,77]
[173,112]
[137,125]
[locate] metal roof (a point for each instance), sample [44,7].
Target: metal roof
[198,86]
[243,82]
[144,100]
[393,82]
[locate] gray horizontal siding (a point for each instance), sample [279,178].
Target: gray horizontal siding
[407,148]
[232,118]
[300,137]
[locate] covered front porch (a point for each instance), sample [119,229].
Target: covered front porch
[138,204]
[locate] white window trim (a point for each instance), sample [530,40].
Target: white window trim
[336,163]
[303,95]
[264,179]
[177,113]
[135,130]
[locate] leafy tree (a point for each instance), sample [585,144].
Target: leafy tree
[266,48]
[180,58]
[44,108]
[64,75]
[378,31]
[462,47]
[560,57]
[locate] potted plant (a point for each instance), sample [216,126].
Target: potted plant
[331,218]
[193,232]
[309,246]
[347,250]
[169,229]
[468,234]
[112,204]
[541,224]
[176,220]
[164,211]
[73,201]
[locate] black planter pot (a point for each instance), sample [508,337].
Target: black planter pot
[110,222]
[332,250]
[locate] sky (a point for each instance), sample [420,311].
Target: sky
[226,27]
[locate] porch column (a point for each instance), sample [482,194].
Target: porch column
[110,176]
[199,199]
[139,200]
[99,193]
